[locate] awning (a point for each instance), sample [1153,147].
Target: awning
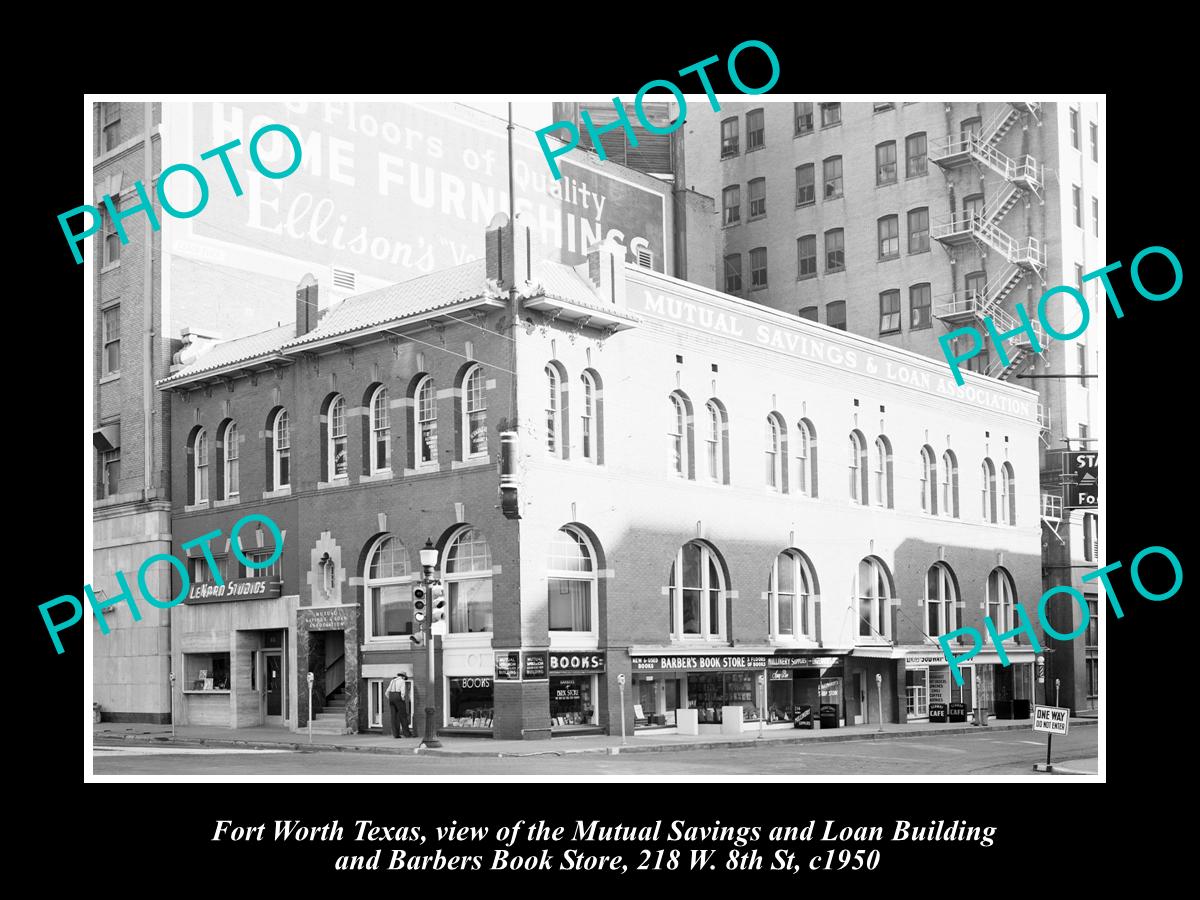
[880,652]
[107,437]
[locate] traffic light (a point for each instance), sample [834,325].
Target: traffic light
[437,596]
[419,603]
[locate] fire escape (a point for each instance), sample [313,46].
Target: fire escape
[1022,181]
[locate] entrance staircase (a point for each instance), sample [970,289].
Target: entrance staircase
[332,719]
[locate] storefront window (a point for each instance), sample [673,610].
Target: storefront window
[375,703]
[571,582]
[206,671]
[471,703]
[468,577]
[571,701]
[658,697]
[708,692]
[389,590]
[916,691]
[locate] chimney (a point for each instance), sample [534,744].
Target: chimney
[606,268]
[306,305]
[511,251]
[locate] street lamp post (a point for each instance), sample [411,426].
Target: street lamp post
[879,693]
[429,561]
[621,690]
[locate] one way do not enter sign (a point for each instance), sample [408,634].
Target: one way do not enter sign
[1051,719]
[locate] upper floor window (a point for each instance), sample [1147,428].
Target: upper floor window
[110,126]
[929,482]
[474,425]
[835,250]
[589,424]
[1077,205]
[806,458]
[918,230]
[677,454]
[805,187]
[885,163]
[381,431]
[716,441]
[758,198]
[873,590]
[389,585]
[831,114]
[696,592]
[833,177]
[972,128]
[1090,538]
[110,472]
[1073,114]
[1008,494]
[882,472]
[949,484]
[920,305]
[811,313]
[729,138]
[112,240]
[231,462]
[555,438]
[988,474]
[806,259]
[731,205]
[468,578]
[1000,598]
[200,467]
[1095,217]
[733,273]
[425,422]
[111,339]
[282,450]
[941,599]
[835,314]
[790,587]
[916,155]
[337,453]
[804,117]
[776,454]
[889,237]
[755,129]
[1095,133]
[858,468]
[758,268]
[571,583]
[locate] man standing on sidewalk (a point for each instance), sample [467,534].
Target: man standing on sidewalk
[398,696]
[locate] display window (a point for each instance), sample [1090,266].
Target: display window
[471,702]
[206,671]
[658,696]
[709,691]
[572,700]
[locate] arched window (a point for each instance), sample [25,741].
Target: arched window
[474,421]
[571,583]
[1008,494]
[281,456]
[555,439]
[676,430]
[873,590]
[882,472]
[588,432]
[806,458]
[696,588]
[389,584]
[1001,597]
[790,589]
[200,467]
[928,481]
[425,423]
[336,452]
[230,463]
[381,431]
[858,469]
[941,599]
[468,578]
[949,484]
[775,454]
[988,491]
[716,441]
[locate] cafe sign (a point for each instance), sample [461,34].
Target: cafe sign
[235,589]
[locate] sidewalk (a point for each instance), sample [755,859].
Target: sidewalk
[115,733]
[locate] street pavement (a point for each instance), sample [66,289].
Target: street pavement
[980,754]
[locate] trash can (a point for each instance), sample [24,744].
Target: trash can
[981,715]
[829,715]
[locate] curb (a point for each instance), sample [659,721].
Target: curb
[100,740]
[1059,770]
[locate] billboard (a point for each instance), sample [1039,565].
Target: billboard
[385,192]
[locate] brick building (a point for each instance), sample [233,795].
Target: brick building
[737,511]
[902,221]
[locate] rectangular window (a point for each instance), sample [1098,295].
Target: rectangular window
[1074,115]
[283,450]
[112,240]
[731,205]
[1093,677]
[920,304]
[1081,355]
[882,107]
[806,256]
[758,198]
[835,250]
[205,672]
[915,152]
[835,314]
[733,274]
[758,268]
[810,313]
[918,230]
[831,114]
[110,472]
[806,191]
[889,312]
[273,572]
[729,138]
[755,130]
[1077,205]
[833,177]
[110,126]
[889,237]
[1088,556]
[111,337]
[804,117]
[1079,275]
[391,610]
[885,163]
[232,463]
[1095,142]
[337,433]
[472,703]
[1095,217]
[569,602]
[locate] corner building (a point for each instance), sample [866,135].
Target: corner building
[735,512]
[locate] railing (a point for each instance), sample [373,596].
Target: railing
[1000,204]
[335,675]
[1052,506]
[998,119]
[959,303]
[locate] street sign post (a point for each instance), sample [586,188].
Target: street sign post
[1052,720]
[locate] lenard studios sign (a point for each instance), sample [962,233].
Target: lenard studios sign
[236,589]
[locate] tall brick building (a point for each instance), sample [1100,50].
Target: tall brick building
[903,221]
[740,512]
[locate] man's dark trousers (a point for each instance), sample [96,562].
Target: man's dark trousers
[399,715]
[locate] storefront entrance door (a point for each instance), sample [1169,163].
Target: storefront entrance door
[272,686]
[856,700]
